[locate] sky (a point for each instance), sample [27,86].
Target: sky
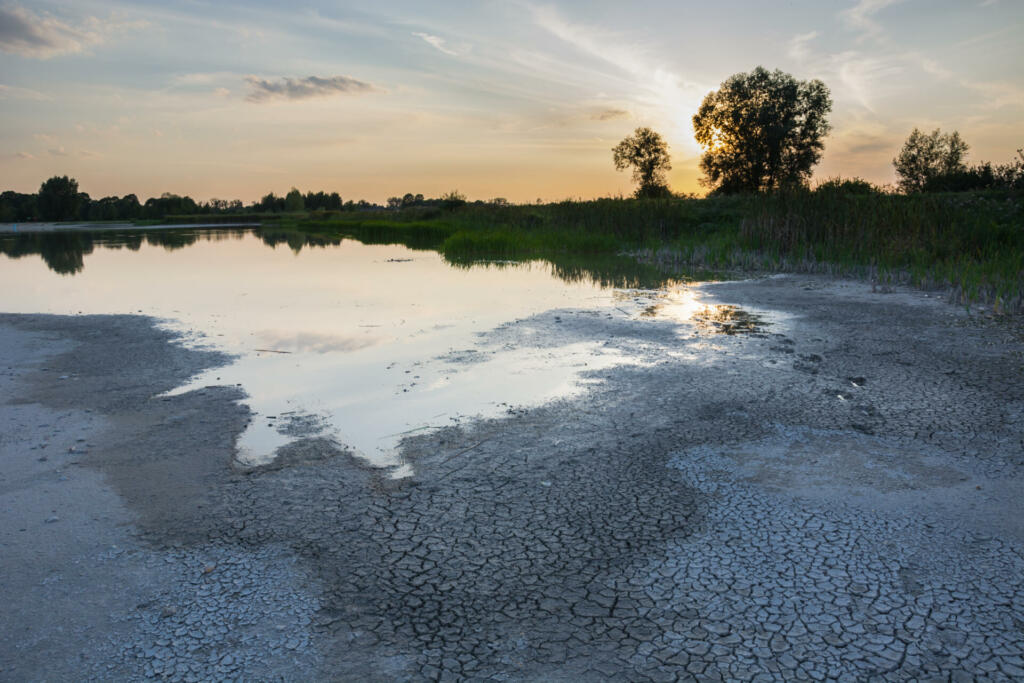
[493,98]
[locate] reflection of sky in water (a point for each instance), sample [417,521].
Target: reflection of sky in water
[342,341]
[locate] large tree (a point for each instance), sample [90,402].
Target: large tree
[926,157]
[58,199]
[761,130]
[293,201]
[646,152]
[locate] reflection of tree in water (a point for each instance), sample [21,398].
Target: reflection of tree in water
[21,244]
[132,241]
[173,239]
[64,252]
[295,239]
[604,271]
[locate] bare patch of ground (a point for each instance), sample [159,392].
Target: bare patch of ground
[830,488]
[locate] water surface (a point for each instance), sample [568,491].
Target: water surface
[358,343]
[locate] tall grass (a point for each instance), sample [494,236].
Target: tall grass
[971,244]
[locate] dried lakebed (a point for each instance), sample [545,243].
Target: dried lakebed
[834,494]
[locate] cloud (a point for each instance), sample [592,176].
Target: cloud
[45,138]
[58,151]
[610,115]
[864,77]
[864,143]
[202,78]
[857,75]
[861,17]
[437,42]
[798,46]
[998,94]
[656,90]
[25,155]
[42,36]
[262,90]
[10,92]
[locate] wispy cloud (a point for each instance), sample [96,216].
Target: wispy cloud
[10,92]
[659,90]
[437,42]
[799,45]
[263,90]
[861,17]
[610,115]
[859,75]
[865,77]
[998,94]
[58,151]
[202,78]
[25,155]
[41,36]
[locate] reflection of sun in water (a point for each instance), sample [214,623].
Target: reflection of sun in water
[728,319]
[675,303]
[681,304]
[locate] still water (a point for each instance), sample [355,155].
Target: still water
[358,343]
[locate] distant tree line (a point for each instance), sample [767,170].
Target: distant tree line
[449,201]
[59,199]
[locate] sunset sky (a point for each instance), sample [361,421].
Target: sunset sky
[494,98]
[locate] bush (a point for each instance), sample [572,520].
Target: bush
[848,186]
[453,200]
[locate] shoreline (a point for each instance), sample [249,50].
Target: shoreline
[836,491]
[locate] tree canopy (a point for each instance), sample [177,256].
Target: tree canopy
[58,199]
[927,157]
[761,130]
[646,152]
[293,201]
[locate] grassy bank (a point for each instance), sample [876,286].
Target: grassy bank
[969,244]
[972,244]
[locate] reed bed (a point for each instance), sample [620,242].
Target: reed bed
[970,244]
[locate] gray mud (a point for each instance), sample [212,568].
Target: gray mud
[822,482]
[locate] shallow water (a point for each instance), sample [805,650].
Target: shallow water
[362,344]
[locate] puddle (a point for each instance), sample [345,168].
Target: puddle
[684,305]
[728,319]
[357,344]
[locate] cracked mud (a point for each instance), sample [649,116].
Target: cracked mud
[814,482]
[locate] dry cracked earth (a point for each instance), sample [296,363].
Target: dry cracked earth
[821,484]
